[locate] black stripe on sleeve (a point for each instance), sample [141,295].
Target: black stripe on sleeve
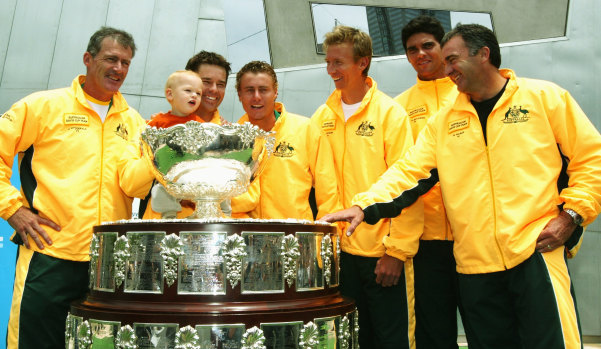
[377,211]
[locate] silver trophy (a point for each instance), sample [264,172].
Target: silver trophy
[207,163]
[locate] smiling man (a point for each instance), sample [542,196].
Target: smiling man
[301,158]
[368,132]
[434,265]
[519,166]
[213,69]
[80,165]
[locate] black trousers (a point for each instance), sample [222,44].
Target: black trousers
[531,306]
[383,313]
[436,295]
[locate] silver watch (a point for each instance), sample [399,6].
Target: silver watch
[575,216]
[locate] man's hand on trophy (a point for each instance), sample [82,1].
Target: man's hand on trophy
[354,215]
[163,203]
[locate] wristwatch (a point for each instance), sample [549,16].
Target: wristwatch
[575,216]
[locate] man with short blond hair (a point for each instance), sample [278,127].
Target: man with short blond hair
[368,132]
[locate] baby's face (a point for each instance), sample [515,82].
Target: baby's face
[185,95]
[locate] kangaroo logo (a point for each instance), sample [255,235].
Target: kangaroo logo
[121,131]
[365,129]
[284,150]
[516,114]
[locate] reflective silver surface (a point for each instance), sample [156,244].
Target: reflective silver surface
[104,333]
[220,336]
[205,162]
[262,267]
[310,263]
[202,267]
[155,336]
[104,265]
[144,267]
[282,334]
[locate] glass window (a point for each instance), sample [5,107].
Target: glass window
[383,24]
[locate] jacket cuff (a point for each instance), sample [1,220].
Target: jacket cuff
[6,214]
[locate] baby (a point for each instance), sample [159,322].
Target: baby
[183,91]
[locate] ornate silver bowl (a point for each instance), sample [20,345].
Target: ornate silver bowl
[207,163]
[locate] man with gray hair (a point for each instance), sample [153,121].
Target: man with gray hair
[80,165]
[519,166]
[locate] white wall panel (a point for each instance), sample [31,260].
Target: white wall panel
[135,17]
[6,22]
[27,65]
[78,20]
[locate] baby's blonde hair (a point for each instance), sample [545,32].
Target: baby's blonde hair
[174,77]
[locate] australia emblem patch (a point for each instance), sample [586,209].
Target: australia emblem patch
[284,150]
[516,114]
[365,129]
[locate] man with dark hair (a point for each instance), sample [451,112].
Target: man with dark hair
[368,132]
[301,157]
[500,152]
[213,69]
[433,265]
[80,165]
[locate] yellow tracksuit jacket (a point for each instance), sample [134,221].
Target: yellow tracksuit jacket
[422,101]
[75,170]
[364,147]
[501,194]
[301,159]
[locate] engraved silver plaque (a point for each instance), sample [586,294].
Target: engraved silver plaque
[282,335]
[220,336]
[155,336]
[202,267]
[310,265]
[104,275]
[144,267]
[205,162]
[262,267]
[71,338]
[104,333]
[328,331]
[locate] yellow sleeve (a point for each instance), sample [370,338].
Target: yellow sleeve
[247,201]
[14,139]
[135,172]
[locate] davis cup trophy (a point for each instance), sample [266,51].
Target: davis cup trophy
[207,163]
[214,282]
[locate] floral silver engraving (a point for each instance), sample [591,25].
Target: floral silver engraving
[187,338]
[84,335]
[126,338]
[344,333]
[326,256]
[121,254]
[234,251]
[207,163]
[68,328]
[291,254]
[308,338]
[171,250]
[253,338]
[94,245]
[356,331]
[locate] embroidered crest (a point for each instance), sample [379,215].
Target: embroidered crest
[121,131]
[516,114]
[284,150]
[365,129]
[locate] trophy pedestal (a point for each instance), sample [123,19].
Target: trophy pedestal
[236,283]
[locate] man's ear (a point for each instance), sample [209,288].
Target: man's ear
[87,58]
[484,54]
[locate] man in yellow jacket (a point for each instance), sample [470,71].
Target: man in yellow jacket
[368,132]
[433,265]
[519,166]
[80,164]
[301,158]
